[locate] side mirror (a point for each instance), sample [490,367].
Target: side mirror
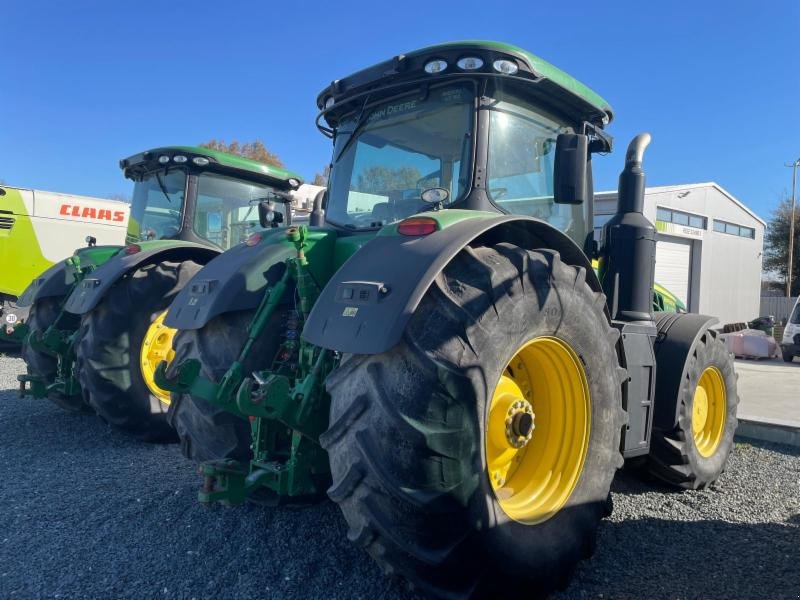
[267,215]
[570,173]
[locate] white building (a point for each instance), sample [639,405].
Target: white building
[709,247]
[304,196]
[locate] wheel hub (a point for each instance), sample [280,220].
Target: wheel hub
[156,346]
[519,423]
[534,461]
[709,411]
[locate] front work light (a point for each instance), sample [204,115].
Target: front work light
[435,66]
[163,159]
[506,67]
[469,63]
[200,161]
[180,158]
[329,101]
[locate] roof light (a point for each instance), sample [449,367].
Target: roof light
[469,63]
[329,101]
[435,66]
[163,159]
[132,249]
[180,158]
[200,161]
[294,182]
[506,67]
[417,226]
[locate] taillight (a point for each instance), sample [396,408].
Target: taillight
[253,239]
[132,249]
[417,226]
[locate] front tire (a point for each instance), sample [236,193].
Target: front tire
[43,314]
[108,354]
[787,356]
[414,431]
[694,452]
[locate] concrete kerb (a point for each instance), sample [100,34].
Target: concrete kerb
[766,431]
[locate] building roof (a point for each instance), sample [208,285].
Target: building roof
[693,186]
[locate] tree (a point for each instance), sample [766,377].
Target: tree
[319,179]
[255,150]
[118,197]
[776,245]
[379,180]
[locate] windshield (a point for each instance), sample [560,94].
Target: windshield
[157,206]
[522,145]
[227,208]
[402,147]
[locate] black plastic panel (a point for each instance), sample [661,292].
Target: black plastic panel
[91,290]
[232,281]
[395,272]
[640,362]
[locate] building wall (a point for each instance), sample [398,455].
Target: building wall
[726,269]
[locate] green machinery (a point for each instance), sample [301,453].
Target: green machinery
[435,349]
[95,331]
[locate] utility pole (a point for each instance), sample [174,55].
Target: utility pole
[791,228]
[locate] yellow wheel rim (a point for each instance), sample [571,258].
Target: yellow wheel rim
[709,409]
[156,346]
[534,462]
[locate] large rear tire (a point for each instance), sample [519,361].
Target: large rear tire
[426,475]
[43,314]
[206,431]
[693,454]
[108,354]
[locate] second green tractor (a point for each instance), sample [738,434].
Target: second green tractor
[96,327]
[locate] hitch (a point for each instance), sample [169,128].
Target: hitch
[14,333]
[32,385]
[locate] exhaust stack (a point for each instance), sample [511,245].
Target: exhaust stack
[627,255]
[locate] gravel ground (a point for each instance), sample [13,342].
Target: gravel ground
[86,512]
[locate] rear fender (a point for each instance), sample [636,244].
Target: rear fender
[237,279]
[677,335]
[93,288]
[366,305]
[55,281]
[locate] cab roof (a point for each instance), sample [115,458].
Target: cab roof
[218,161]
[555,82]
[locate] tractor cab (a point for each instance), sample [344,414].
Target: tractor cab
[472,125]
[203,196]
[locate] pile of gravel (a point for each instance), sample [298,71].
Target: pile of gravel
[87,512]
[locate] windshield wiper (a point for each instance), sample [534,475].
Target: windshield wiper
[361,121]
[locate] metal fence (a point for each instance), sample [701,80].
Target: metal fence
[777,307]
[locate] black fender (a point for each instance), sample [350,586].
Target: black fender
[366,305]
[237,279]
[91,290]
[55,281]
[234,280]
[677,335]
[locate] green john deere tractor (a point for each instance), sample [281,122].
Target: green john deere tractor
[95,331]
[435,349]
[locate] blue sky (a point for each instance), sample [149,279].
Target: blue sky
[83,84]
